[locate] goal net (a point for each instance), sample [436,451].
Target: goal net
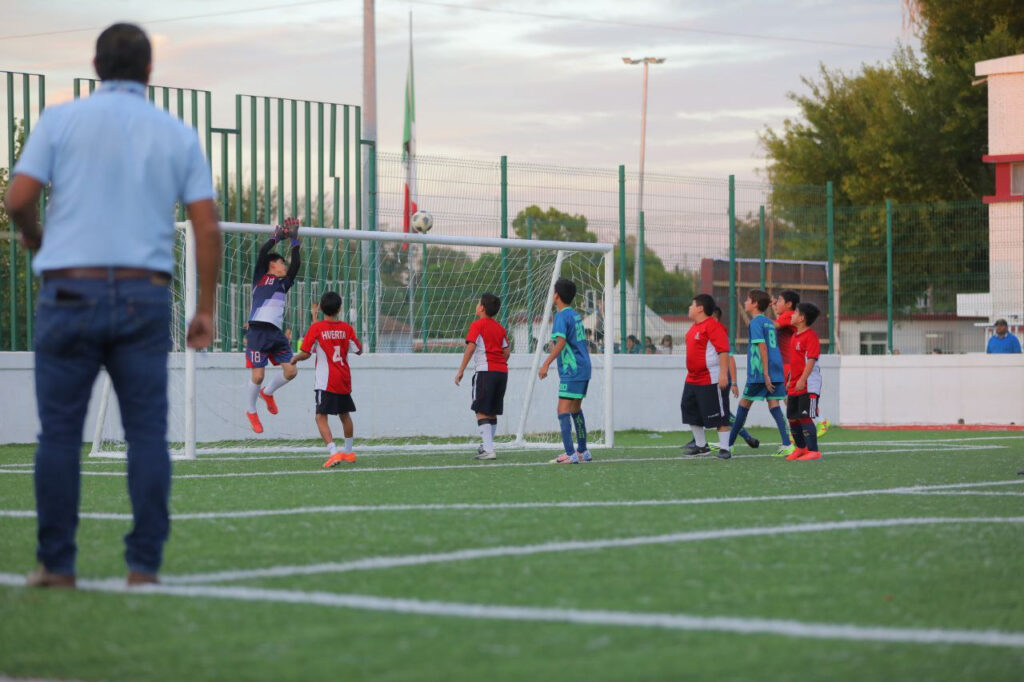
[411,299]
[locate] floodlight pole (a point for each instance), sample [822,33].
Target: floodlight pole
[646,61]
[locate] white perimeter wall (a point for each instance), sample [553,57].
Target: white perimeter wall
[416,394]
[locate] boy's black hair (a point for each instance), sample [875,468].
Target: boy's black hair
[790,297]
[274,257]
[491,303]
[760,298]
[330,303]
[706,302]
[632,337]
[122,54]
[717,313]
[809,311]
[566,290]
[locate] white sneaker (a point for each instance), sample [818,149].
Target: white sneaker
[585,456]
[483,454]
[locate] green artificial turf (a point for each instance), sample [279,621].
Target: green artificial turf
[962,576]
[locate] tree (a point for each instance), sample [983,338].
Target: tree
[911,129]
[552,225]
[668,292]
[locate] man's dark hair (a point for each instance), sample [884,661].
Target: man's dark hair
[330,303]
[566,290]
[123,53]
[491,303]
[760,298]
[790,297]
[705,302]
[809,311]
[717,313]
[274,257]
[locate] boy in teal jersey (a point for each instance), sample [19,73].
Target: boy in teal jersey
[766,379]
[569,347]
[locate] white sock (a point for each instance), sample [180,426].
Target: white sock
[494,430]
[723,441]
[332,448]
[485,433]
[698,436]
[252,395]
[276,383]
[348,445]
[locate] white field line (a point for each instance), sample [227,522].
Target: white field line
[943,444]
[947,489]
[981,493]
[385,562]
[666,621]
[480,465]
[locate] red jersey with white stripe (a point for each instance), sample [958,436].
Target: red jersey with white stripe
[806,346]
[784,331]
[704,342]
[491,341]
[332,339]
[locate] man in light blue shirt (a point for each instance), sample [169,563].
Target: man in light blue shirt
[1003,341]
[116,166]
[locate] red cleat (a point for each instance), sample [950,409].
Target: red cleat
[269,400]
[339,457]
[810,455]
[254,421]
[796,454]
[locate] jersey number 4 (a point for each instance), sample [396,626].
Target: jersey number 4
[338,357]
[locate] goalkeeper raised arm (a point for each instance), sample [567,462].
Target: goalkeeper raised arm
[265,340]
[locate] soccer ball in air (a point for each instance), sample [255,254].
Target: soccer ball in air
[422,221]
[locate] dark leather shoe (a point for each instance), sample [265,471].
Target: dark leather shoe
[136,578]
[44,578]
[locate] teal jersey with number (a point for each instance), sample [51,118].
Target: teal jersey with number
[574,360]
[763,331]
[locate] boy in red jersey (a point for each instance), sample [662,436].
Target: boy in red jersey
[487,344]
[785,305]
[803,385]
[705,402]
[333,384]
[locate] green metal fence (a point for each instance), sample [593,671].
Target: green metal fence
[886,277]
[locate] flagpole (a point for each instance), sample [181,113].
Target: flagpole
[369,148]
[410,149]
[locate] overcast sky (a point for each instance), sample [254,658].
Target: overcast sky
[540,81]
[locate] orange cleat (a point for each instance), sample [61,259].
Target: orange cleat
[271,403]
[810,455]
[339,457]
[796,454]
[254,421]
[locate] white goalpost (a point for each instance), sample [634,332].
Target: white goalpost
[411,298]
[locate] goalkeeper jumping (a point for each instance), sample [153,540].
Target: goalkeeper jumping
[265,339]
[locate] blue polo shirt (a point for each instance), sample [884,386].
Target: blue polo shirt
[116,165]
[1007,344]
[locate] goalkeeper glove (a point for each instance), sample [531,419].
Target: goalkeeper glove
[280,233]
[291,228]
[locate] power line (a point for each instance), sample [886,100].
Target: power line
[492,10]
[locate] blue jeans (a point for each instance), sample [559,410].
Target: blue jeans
[123,325]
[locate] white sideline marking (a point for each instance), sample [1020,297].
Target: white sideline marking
[378,563]
[667,621]
[940,489]
[479,466]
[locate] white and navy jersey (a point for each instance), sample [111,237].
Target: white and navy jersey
[268,291]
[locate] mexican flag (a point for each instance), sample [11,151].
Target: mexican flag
[409,145]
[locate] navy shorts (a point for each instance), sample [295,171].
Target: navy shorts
[265,342]
[757,390]
[573,390]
